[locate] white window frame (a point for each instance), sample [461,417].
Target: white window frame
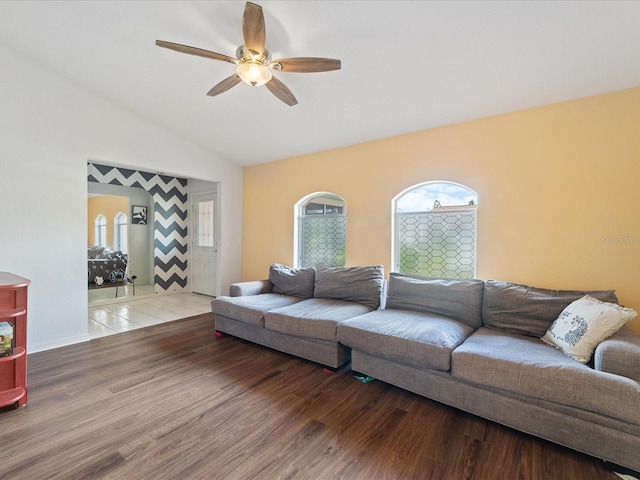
[101,230]
[299,213]
[120,237]
[205,225]
[395,216]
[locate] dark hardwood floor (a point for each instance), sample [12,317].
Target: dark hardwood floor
[173,401]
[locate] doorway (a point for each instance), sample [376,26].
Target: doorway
[204,243]
[126,245]
[170,227]
[107,244]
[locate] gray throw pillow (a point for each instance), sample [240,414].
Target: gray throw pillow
[296,282]
[458,299]
[526,310]
[354,284]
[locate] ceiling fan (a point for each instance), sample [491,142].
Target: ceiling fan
[253,61]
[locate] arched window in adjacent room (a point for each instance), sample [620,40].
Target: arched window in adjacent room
[120,232]
[101,231]
[320,225]
[434,230]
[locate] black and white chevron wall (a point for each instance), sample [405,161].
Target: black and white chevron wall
[170,219]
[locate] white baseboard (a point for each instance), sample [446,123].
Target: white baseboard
[61,342]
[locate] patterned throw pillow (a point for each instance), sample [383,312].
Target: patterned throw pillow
[584,324]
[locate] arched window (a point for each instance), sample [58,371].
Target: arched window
[120,232]
[321,228]
[101,231]
[435,230]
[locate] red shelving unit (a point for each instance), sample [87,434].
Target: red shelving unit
[13,369]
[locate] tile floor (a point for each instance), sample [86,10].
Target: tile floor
[109,315]
[108,294]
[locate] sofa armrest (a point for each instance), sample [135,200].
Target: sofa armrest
[255,287]
[619,354]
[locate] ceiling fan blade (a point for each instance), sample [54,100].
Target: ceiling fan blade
[253,28]
[224,85]
[306,64]
[196,51]
[281,91]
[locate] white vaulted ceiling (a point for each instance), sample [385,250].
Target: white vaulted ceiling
[406,65]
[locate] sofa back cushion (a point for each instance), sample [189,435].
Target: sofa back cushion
[354,284]
[526,310]
[458,299]
[295,282]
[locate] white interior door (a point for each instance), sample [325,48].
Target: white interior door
[204,259]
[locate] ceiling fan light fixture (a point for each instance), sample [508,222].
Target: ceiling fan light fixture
[254,73]
[253,60]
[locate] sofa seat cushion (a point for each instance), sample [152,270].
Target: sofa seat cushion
[417,339]
[250,309]
[529,367]
[313,318]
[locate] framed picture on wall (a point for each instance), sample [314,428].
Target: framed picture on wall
[138,215]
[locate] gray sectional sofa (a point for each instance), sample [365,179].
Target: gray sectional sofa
[475,345]
[297,311]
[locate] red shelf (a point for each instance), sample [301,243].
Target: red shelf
[17,353]
[13,369]
[7,397]
[12,313]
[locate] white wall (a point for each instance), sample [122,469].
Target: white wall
[49,129]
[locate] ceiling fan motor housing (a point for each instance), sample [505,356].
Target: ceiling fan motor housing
[253,67]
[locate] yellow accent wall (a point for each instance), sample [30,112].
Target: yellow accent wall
[558,194]
[109,206]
